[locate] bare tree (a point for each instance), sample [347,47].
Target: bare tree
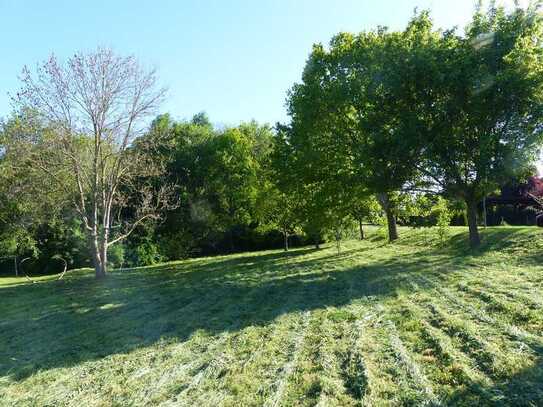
[95,105]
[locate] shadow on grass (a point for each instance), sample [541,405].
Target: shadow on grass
[61,324]
[521,389]
[521,242]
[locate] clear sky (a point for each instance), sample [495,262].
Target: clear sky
[234,59]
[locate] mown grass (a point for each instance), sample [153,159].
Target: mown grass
[409,323]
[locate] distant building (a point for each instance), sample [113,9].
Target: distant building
[517,204]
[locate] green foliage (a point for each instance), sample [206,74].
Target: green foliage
[443,215]
[144,254]
[390,110]
[367,209]
[223,179]
[356,112]
[484,127]
[21,183]
[36,217]
[117,256]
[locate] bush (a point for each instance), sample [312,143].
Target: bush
[145,253]
[116,256]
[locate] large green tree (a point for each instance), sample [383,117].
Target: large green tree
[484,125]
[220,174]
[356,113]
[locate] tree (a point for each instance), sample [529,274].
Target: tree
[219,173]
[20,212]
[356,112]
[485,123]
[364,207]
[230,178]
[36,218]
[96,105]
[278,203]
[278,210]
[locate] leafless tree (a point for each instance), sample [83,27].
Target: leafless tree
[95,105]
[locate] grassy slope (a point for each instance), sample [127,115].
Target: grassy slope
[376,324]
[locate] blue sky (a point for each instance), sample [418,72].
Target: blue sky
[233,59]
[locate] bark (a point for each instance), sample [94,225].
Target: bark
[391,222]
[484,212]
[285,235]
[384,200]
[99,268]
[99,254]
[474,239]
[361,229]
[103,258]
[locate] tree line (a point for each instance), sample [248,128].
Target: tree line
[385,126]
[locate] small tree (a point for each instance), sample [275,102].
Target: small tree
[443,215]
[278,210]
[279,203]
[95,105]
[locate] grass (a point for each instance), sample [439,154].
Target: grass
[409,323]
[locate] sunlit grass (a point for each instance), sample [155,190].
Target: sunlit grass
[412,322]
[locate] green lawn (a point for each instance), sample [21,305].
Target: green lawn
[377,324]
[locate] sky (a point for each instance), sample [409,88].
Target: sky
[233,59]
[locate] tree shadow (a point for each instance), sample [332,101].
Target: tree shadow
[524,244]
[495,239]
[54,324]
[521,389]
[61,324]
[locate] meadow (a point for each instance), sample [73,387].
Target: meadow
[414,322]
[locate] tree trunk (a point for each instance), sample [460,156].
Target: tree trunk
[391,222]
[474,239]
[103,257]
[484,211]
[391,219]
[285,235]
[99,254]
[316,240]
[361,229]
[99,268]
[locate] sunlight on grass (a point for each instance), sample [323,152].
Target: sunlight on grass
[377,324]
